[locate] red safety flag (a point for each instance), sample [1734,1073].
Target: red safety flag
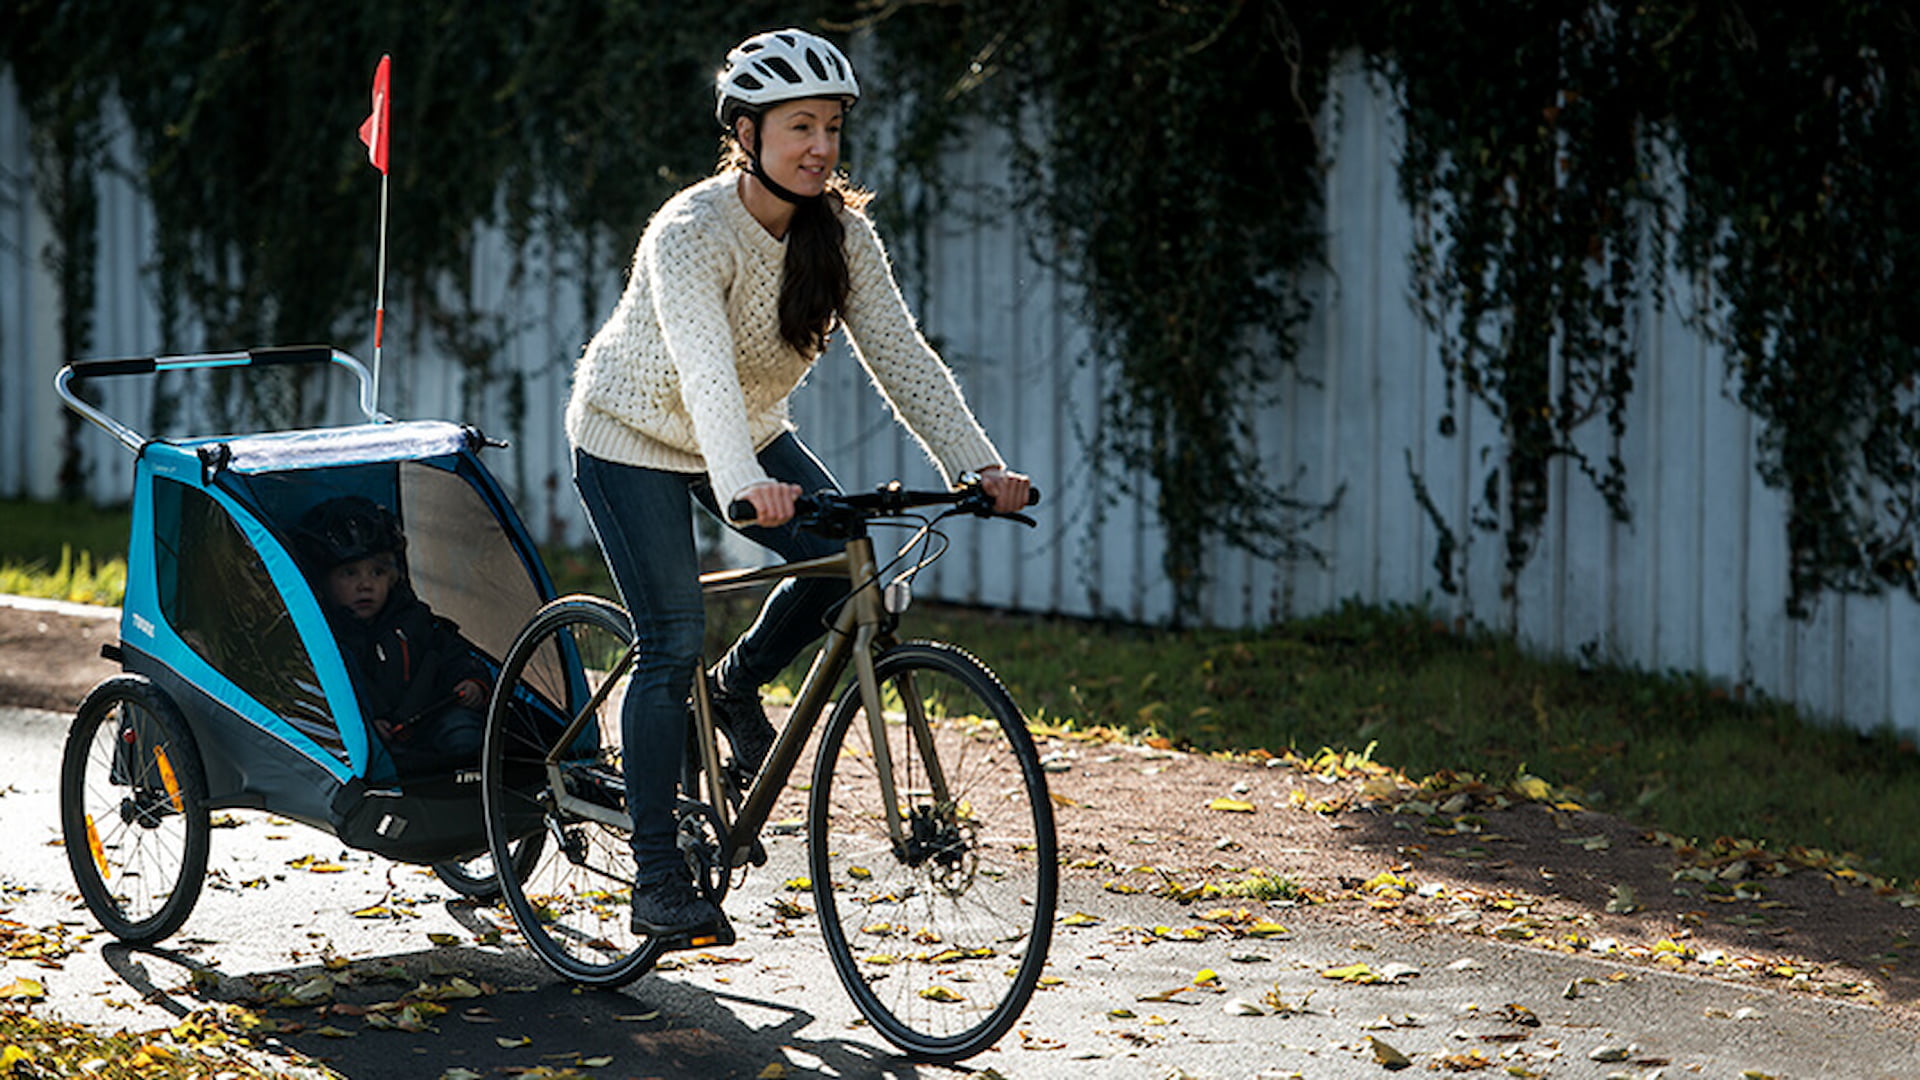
[373,131]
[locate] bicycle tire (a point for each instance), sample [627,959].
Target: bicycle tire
[133,810]
[941,944]
[572,903]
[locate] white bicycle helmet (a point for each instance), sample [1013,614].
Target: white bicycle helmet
[781,65]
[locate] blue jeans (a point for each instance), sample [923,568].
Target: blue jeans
[644,521]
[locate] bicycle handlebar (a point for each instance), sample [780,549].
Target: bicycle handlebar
[828,510]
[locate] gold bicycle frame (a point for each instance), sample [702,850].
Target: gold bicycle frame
[857,633]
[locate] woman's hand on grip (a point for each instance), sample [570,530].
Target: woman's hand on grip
[772,502]
[1009,489]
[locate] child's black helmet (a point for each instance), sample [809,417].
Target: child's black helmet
[347,528]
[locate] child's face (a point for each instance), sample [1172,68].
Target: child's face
[361,586]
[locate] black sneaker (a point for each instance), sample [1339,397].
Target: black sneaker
[744,719]
[672,907]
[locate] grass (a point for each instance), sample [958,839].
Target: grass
[63,551]
[1668,751]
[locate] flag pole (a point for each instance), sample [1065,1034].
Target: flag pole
[374,133]
[380,294]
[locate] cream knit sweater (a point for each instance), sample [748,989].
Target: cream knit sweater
[690,373]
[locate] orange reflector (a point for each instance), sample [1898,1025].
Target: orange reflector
[703,940]
[167,778]
[93,845]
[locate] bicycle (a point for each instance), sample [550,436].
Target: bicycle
[931,853]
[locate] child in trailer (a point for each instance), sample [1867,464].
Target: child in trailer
[420,682]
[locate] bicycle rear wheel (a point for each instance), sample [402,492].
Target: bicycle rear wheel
[571,900]
[942,938]
[133,810]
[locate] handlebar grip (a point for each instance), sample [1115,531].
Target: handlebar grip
[130,365]
[291,354]
[265,356]
[740,512]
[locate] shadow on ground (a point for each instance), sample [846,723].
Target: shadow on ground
[502,1015]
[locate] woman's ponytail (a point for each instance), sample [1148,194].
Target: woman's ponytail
[813,290]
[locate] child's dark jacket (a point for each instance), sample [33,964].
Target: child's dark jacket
[405,660]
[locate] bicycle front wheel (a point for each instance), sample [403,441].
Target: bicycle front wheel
[561,829]
[938,928]
[133,810]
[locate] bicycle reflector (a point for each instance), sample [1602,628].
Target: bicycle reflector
[898,595]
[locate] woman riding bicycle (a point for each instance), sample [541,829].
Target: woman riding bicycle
[734,289]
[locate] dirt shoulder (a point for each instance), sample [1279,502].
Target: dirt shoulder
[1362,847]
[50,654]
[1368,849]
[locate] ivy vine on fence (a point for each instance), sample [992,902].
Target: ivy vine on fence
[1562,158]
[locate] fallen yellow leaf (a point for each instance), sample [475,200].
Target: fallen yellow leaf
[1231,806]
[23,989]
[1353,973]
[1532,787]
[1387,879]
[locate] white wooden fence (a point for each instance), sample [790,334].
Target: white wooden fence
[1696,582]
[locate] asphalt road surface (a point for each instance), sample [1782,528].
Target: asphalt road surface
[1127,997]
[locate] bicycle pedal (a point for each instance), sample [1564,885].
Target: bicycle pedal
[717,937]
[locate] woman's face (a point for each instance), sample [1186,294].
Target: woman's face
[800,143]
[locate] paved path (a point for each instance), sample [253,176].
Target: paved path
[774,998]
